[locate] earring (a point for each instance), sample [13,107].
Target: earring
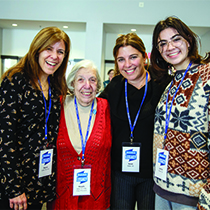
[171,70]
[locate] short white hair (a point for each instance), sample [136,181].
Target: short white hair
[82,64]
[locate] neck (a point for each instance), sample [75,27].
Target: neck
[140,82]
[43,79]
[182,65]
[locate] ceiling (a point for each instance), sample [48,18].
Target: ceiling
[78,26]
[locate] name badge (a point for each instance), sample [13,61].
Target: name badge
[45,162]
[131,156]
[161,163]
[81,184]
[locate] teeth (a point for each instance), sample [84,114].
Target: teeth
[172,54]
[129,71]
[52,64]
[86,93]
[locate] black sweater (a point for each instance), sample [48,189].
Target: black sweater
[143,131]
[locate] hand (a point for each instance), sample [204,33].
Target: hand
[19,202]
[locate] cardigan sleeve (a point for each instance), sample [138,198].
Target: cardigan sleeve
[10,97]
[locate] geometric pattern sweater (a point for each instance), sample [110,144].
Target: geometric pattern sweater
[97,154]
[188,135]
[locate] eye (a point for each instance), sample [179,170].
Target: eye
[61,52]
[177,39]
[93,80]
[133,56]
[49,48]
[80,79]
[162,44]
[120,59]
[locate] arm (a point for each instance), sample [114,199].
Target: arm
[204,197]
[10,96]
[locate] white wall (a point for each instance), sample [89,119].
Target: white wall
[96,13]
[205,41]
[0,50]
[17,42]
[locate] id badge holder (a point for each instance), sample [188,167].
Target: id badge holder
[161,164]
[81,181]
[45,162]
[131,156]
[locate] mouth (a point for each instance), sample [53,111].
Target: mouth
[86,93]
[173,54]
[51,63]
[130,71]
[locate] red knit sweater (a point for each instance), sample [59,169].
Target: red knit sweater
[97,154]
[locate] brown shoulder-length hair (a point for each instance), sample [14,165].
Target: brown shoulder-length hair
[159,65]
[129,39]
[29,63]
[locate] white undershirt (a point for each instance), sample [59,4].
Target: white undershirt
[71,121]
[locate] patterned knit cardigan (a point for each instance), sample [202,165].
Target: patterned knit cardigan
[188,135]
[97,154]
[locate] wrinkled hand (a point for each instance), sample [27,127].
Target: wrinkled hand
[19,202]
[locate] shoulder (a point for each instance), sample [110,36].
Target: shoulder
[102,102]
[114,86]
[157,85]
[204,73]
[17,81]
[204,67]
[116,83]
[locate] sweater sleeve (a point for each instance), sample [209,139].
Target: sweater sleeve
[10,97]
[204,197]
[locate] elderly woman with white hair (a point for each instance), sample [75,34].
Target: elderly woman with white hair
[83,144]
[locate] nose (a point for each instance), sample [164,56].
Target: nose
[87,84]
[170,45]
[54,54]
[127,63]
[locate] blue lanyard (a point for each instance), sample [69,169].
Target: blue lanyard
[168,114]
[80,129]
[45,106]
[127,108]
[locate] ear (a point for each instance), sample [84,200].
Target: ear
[188,44]
[145,58]
[72,83]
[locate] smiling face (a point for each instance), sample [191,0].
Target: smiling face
[177,56]
[131,64]
[85,86]
[51,59]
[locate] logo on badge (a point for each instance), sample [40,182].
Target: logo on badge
[130,154]
[46,158]
[82,177]
[162,158]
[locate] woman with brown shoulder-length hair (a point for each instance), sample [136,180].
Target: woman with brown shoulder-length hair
[132,95]
[30,113]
